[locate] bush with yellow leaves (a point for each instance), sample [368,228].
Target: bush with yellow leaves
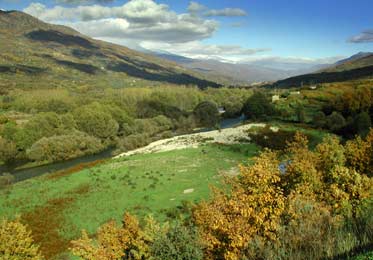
[16,242]
[297,212]
[252,211]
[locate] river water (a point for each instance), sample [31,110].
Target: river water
[24,174]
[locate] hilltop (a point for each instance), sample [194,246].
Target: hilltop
[356,67]
[38,54]
[359,60]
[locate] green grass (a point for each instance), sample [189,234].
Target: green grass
[140,184]
[365,256]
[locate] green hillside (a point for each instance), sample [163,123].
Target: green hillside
[37,54]
[359,60]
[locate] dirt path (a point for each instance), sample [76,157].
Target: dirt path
[225,136]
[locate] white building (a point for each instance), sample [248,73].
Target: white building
[275,98]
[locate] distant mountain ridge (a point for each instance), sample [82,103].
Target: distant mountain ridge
[38,54]
[359,60]
[354,57]
[241,73]
[355,67]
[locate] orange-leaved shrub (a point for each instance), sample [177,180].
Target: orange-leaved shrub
[114,242]
[312,207]
[250,212]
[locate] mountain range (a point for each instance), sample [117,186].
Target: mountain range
[244,73]
[355,67]
[38,54]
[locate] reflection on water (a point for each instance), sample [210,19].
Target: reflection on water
[28,173]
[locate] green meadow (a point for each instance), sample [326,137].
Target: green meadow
[58,206]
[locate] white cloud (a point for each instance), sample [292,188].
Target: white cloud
[137,19]
[199,9]
[289,63]
[198,50]
[226,12]
[77,2]
[195,7]
[147,24]
[307,60]
[366,36]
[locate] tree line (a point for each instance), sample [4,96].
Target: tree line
[59,124]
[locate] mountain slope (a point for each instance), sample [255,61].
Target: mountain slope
[359,60]
[325,77]
[355,67]
[37,54]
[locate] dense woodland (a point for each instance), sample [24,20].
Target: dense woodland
[58,124]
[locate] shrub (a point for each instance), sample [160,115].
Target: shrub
[258,106]
[3,119]
[42,125]
[114,242]
[317,207]
[207,114]
[8,150]
[362,123]
[6,179]
[16,242]
[252,211]
[319,119]
[153,108]
[267,138]
[64,147]
[179,243]
[335,122]
[301,115]
[96,121]
[134,141]
[359,154]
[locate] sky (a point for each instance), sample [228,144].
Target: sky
[239,31]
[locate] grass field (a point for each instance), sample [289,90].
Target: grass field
[58,206]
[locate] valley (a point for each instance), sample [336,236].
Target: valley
[185,145]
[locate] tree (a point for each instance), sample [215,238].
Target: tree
[16,242]
[178,243]
[42,125]
[362,123]
[252,211]
[295,213]
[207,114]
[258,106]
[319,119]
[301,115]
[96,121]
[8,150]
[335,122]
[64,147]
[114,242]
[359,154]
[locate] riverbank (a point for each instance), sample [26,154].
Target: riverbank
[232,135]
[57,207]
[24,171]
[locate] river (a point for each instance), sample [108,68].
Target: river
[27,173]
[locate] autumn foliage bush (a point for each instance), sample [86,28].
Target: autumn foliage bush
[317,206]
[16,242]
[299,213]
